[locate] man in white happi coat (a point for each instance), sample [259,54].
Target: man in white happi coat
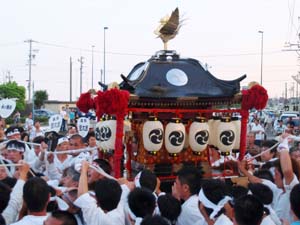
[36,196]
[108,207]
[187,187]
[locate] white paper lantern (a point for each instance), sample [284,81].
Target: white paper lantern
[226,135]
[153,132]
[97,134]
[237,124]
[174,137]
[199,134]
[106,133]
[213,125]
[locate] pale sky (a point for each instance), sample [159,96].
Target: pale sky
[223,34]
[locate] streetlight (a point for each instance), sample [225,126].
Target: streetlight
[93,66]
[104,29]
[261,55]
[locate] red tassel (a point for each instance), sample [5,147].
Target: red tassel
[85,102]
[100,104]
[118,146]
[261,97]
[117,101]
[255,97]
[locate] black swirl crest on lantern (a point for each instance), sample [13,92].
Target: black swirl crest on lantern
[97,133]
[227,137]
[176,138]
[201,137]
[156,136]
[105,133]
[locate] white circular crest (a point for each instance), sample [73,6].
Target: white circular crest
[177,77]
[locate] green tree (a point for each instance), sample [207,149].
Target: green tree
[13,90]
[40,97]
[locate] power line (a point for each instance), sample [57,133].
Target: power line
[149,55]
[9,44]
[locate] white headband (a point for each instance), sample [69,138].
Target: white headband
[62,140]
[208,204]
[137,180]
[16,148]
[13,132]
[62,205]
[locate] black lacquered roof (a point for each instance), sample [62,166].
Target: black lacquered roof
[166,75]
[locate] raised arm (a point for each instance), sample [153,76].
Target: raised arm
[285,161]
[242,167]
[83,181]
[15,203]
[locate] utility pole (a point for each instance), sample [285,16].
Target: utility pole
[71,71]
[93,46]
[33,100]
[285,91]
[8,76]
[261,56]
[104,54]
[81,65]
[30,58]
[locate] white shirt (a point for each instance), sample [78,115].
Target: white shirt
[267,221]
[31,220]
[34,133]
[62,165]
[257,128]
[223,220]
[281,199]
[55,170]
[28,124]
[11,212]
[93,214]
[190,213]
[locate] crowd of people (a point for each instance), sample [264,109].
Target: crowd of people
[75,184]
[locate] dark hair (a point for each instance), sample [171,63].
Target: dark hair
[104,164]
[238,191]
[23,135]
[215,191]
[264,174]
[2,220]
[38,139]
[36,121]
[295,200]
[269,144]
[169,207]
[77,136]
[52,205]
[248,210]
[10,181]
[65,217]
[154,220]
[275,164]
[108,193]
[4,195]
[71,172]
[90,134]
[262,192]
[148,180]
[15,143]
[36,194]
[141,202]
[192,177]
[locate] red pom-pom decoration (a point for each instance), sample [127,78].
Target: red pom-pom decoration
[255,97]
[85,102]
[116,101]
[100,104]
